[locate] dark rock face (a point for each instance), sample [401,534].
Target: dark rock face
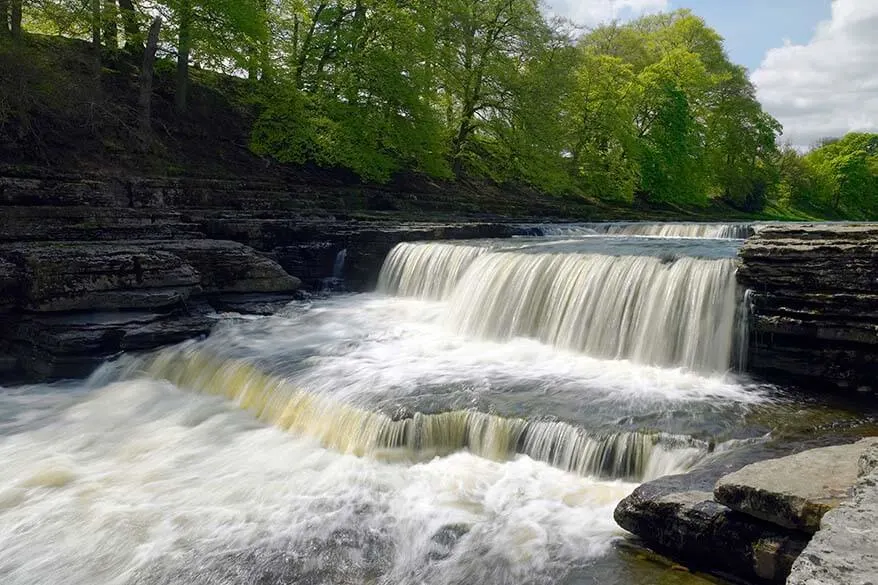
[67,306]
[814,304]
[678,516]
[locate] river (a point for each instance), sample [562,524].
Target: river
[474,420]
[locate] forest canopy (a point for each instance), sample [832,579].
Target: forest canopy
[648,111]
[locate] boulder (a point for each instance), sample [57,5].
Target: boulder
[845,550]
[795,491]
[678,516]
[691,527]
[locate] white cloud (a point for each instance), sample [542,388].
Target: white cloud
[592,12]
[829,86]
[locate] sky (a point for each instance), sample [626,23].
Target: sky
[814,62]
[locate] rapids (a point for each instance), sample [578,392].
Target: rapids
[475,420]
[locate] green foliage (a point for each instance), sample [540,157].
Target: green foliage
[841,176]
[650,111]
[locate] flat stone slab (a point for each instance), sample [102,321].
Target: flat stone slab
[795,491]
[845,550]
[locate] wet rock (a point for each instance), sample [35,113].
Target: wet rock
[69,277]
[678,516]
[845,550]
[315,261]
[814,304]
[795,491]
[230,267]
[692,527]
[59,345]
[252,304]
[10,277]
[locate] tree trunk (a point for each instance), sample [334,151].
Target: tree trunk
[129,25]
[111,29]
[184,44]
[15,20]
[146,75]
[96,34]
[265,46]
[4,18]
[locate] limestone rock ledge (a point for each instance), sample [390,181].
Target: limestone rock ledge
[678,516]
[750,514]
[845,550]
[814,304]
[796,491]
[67,306]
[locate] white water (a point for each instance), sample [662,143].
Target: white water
[639,308]
[142,483]
[665,313]
[664,230]
[368,438]
[426,271]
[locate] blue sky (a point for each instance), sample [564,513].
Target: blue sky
[814,62]
[752,27]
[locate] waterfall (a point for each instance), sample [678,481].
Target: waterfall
[338,265]
[727,231]
[426,270]
[635,456]
[677,313]
[742,334]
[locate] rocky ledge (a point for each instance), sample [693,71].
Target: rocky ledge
[814,304]
[93,267]
[845,550]
[66,306]
[754,520]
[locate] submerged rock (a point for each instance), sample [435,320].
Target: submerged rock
[845,550]
[795,491]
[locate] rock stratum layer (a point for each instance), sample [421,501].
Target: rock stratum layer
[814,304]
[796,491]
[90,268]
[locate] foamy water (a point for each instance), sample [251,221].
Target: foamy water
[356,439]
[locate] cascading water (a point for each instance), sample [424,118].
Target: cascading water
[427,271]
[664,230]
[679,313]
[657,311]
[349,429]
[338,265]
[472,423]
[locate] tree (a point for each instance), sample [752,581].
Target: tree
[5,29]
[146,76]
[219,32]
[15,20]
[601,145]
